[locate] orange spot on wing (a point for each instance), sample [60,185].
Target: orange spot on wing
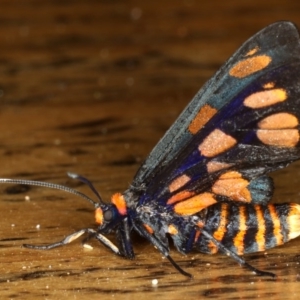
[269,85]
[179,182]
[172,229]
[293,221]
[276,224]
[231,175]
[99,216]
[279,121]
[195,204]
[252,51]
[238,240]
[214,166]
[180,196]
[265,98]
[279,138]
[119,201]
[261,229]
[148,228]
[232,185]
[203,116]
[249,66]
[215,143]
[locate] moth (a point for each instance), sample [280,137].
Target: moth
[206,183]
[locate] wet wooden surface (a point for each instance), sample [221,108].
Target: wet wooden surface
[90,87]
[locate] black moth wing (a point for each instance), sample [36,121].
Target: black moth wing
[177,154]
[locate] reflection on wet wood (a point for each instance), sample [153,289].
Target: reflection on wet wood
[90,87]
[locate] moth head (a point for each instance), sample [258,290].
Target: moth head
[107,216]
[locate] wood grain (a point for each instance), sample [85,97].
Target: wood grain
[90,87]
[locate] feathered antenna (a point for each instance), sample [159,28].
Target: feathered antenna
[60,187]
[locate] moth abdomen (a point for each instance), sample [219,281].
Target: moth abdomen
[246,228]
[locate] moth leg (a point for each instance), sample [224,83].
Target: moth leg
[123,237]
[236,257]
[70,238]
[89,237]
[104,241]
[160,247]
[108,244]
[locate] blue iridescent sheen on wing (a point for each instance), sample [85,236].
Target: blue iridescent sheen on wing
[279,40]
[178,151]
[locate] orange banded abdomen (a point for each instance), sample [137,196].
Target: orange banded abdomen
[245,228]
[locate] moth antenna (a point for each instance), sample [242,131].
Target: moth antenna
[87,182]
[49,185]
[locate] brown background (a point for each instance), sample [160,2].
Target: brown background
[90,87]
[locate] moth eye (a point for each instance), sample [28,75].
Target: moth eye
[108,214]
